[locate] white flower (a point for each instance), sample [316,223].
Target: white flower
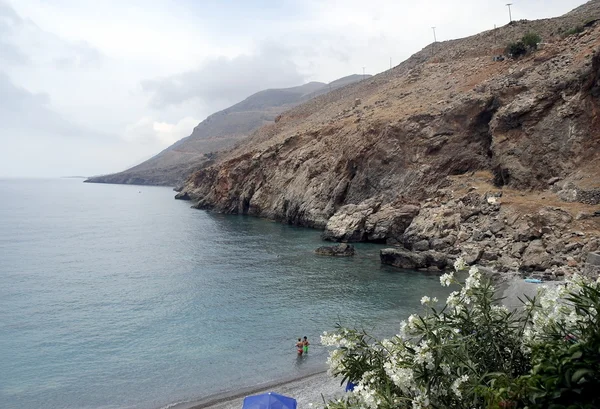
[365,393]
[457,383]
[453,299]
[412,322]
[423,355]
[474,279]
[447,279]
[420,402]
[499,309]
[402,377]
[428,301]
[403,326]
[460,264]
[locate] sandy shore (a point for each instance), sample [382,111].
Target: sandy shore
[308,390]
[518,288]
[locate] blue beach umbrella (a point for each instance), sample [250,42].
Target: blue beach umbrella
[269,400]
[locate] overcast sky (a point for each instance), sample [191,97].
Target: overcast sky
[90,87]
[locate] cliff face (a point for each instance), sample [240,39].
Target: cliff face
[419,131]
[218,132]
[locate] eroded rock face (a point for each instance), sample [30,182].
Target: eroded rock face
[528,121]
[531,124]
[370,222]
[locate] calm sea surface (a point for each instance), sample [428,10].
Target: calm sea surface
[122,297]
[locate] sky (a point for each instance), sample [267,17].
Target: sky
[91,87]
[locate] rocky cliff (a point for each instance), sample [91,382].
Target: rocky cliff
[218,132]
[451,151]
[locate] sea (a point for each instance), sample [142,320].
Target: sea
[116,296]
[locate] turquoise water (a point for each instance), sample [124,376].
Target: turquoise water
[121,297]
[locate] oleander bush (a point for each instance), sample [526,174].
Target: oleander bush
[472,352]
[564,338]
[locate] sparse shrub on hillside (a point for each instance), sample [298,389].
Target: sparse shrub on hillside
[528,42]
[531,40]
[573,31]
[516,49]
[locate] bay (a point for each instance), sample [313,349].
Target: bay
[116,296]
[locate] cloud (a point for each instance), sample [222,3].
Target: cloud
[8,16]
[79,56]
[149,131]
[22,41]
[36,140]
[9,54]
[25,112]
[21,109]
[224,81]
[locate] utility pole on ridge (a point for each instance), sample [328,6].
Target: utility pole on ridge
[364,72]
[434,41]
[509,12]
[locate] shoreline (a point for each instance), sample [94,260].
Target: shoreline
[306,389]
[311,388]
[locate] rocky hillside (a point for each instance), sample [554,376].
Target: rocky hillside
[219,131]
[450,152]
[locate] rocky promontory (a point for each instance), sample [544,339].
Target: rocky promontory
[452,152]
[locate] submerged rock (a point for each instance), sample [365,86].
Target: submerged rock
[341,250]
[399,257]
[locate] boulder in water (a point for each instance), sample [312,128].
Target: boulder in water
[341,250]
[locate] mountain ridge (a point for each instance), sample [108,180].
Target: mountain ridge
[217,132]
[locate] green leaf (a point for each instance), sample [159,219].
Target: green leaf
[577,355]
[579,374]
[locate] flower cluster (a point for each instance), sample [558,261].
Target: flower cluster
[454,356]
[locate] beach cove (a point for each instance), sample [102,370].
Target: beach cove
[120,297]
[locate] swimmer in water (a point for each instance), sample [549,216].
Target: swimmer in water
[305,345]
[300,346]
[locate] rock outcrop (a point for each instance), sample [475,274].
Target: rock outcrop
[534,235]
[341,250]
[370,222]
[592,268]
[497,158]
[406,259]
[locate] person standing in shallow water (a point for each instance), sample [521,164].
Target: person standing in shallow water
[300,346]
[305,345]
